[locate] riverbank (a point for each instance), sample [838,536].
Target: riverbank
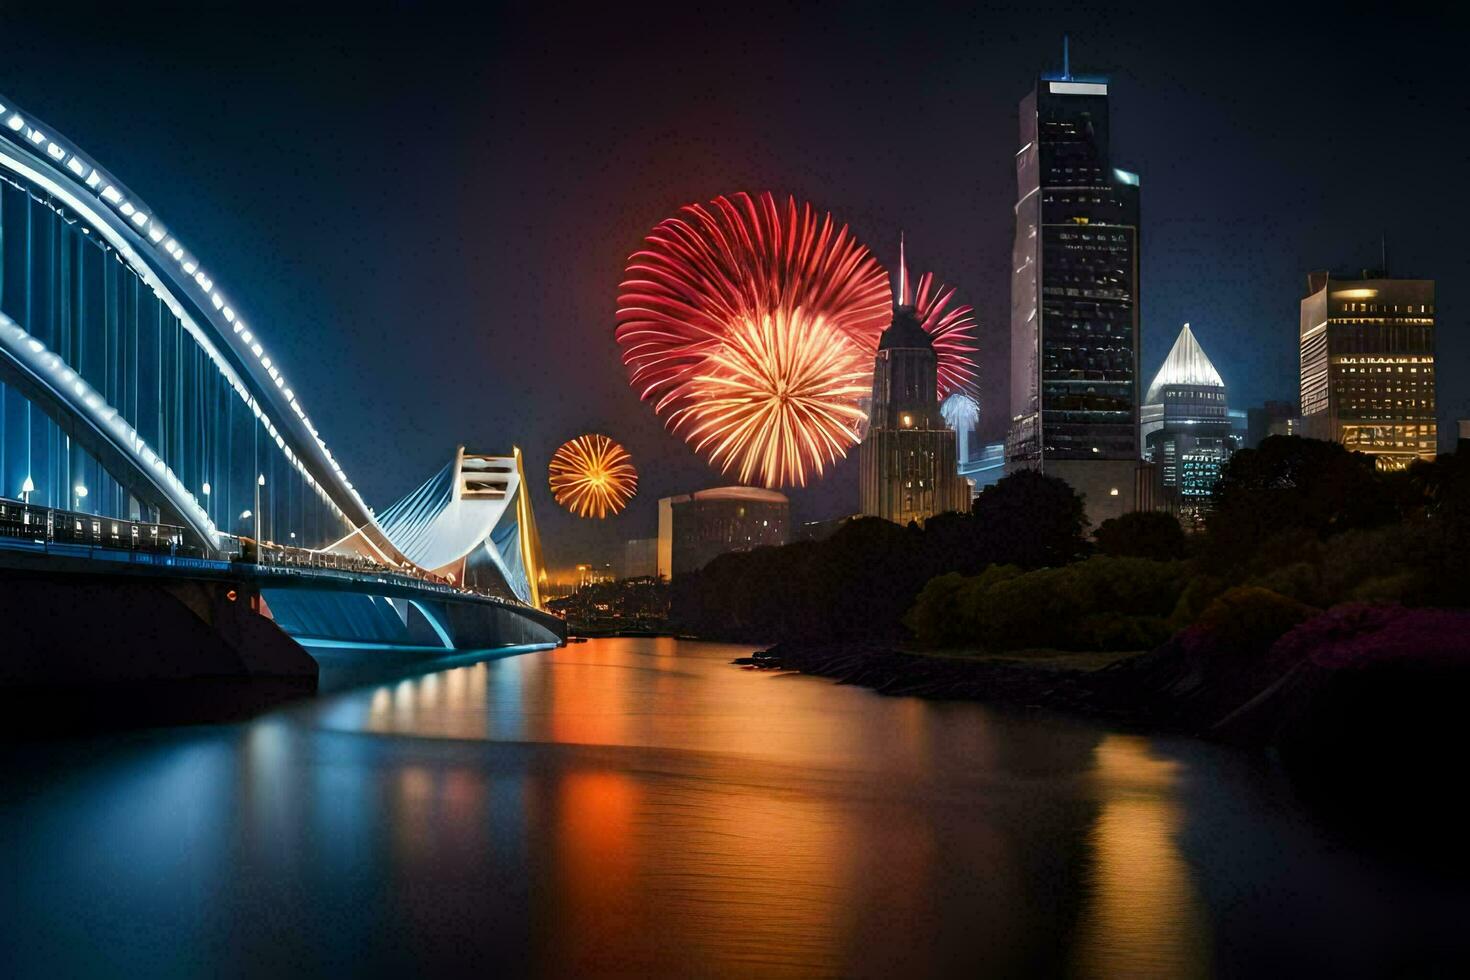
[1050,679]
[1361,705]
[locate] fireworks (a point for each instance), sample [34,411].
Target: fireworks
[744,323]
[960,411]
[777,399]
[592,476]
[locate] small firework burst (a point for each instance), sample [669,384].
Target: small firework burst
[592,476]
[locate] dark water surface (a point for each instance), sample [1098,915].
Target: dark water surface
[637,806]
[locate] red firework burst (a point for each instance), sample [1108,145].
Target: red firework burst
[730,319]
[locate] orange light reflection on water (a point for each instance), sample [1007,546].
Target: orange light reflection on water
[1142,917]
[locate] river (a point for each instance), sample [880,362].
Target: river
[641,807]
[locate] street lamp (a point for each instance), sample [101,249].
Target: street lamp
[81,494]
[245,515]
[259,552]
[26,489]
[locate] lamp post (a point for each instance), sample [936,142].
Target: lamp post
[80,493]
[259,551]
[26,489]
[245,515]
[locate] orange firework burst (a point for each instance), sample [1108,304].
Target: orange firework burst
[743,322]
[592,476]
[778,398]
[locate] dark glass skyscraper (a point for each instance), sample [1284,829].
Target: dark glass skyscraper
[1075,298]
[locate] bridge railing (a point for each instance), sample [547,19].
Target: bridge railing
[23,521]
[271,558]
[73,534]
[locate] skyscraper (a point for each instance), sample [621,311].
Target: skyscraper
[907,467]
[1367,365]
[1274,418]
[1186,427]
[1075,298]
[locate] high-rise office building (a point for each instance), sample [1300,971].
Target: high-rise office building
[640,558]
[696,528]
[907,466]
[1274,418]
[1186,428]
[1367,365]
[1075,299]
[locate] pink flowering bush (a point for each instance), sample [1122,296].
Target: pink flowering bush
[1358,635]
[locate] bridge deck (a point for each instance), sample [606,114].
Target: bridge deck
[54,556]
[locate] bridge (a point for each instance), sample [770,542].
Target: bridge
[147,432]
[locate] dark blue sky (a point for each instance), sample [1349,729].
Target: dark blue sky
[426,213]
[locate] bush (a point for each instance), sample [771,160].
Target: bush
[1198,593]
[1299,580]
[1359,635]
[1248,619]
[1142,534]
[1114,631]
[1101,603]
[935,619]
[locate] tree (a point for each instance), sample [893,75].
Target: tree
[1142,534]
[1031,520]
[1293,484]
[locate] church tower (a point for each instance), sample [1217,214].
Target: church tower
[906,463]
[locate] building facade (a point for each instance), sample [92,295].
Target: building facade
[1075,299]
[1367,365]
[1274,418]
[907,464]
[640,558]
[1186,427]
[696,528]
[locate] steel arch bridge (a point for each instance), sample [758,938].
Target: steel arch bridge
[133,389]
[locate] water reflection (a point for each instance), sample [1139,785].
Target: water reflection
[1144,916]
[638,806]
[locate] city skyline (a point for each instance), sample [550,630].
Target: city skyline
[270,185]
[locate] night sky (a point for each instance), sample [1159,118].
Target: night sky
[425,215]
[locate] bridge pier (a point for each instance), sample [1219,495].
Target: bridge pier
[95,650]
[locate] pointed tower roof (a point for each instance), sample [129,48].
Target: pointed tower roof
[1185,365]
[902,296]
[905,331]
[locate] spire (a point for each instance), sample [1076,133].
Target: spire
[903,298]
[1186,364]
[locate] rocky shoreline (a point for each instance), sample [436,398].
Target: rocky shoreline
[894,672]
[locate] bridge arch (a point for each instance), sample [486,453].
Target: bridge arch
[61,215]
